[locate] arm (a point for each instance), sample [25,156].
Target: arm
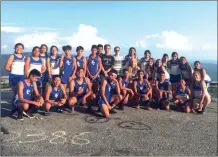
[61,61]
[35,89]
[47,95]
[204,90]
[43,68]
[203,74]
[149,86]
[27,66]
[135,88]
[48,67]
[100,67]
[9,63]
[117,87]
[74,67]
[85,66]
[20,95]
[103,85]
[88,72]
[71,89]
[63,91]
[89,88]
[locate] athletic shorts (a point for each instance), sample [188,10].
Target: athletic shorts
[101,101]
[39,82]
[17,102]
[15,79]
[175,78]
[45,77]
[64,79]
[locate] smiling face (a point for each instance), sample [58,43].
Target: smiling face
[80,73]
[43,49]
[19,49]
[175,57]
[56,81]
[197,65]
[36,52]
[159,63]
[197,76]
[80,52]
[183,60]
[147,55]
[54,51]
[107,50]
[112,76]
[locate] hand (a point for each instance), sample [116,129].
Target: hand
[109,107]
[94,77]
[73,76]
[62,55]
[131,93]
[37,103]
[70,79]
[105,74]
[83,100]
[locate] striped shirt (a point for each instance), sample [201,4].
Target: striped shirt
[118,63]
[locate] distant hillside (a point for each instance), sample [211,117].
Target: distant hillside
[211,68]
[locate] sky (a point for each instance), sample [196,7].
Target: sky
[190,28]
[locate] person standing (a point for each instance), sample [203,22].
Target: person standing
[118,60]
[100,50]
[107,61]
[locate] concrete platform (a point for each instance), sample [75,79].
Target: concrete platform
[129,132]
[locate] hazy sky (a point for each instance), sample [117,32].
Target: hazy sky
[190,28]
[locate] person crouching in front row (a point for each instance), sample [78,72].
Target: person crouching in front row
[28,95]
[109,94]
[55,95]
[80,91]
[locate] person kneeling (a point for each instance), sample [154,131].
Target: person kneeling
[162,92]
[55,95]
[181,97]
[28,95]
[80,91]
[142,89]
[126,91]
[109,94]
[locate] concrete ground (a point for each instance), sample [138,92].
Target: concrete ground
[129,132]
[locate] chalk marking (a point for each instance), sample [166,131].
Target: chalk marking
[36,135]
[62,133]
[78,138]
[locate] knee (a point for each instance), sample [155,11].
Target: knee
[72,101]
[63,101]
[25,106]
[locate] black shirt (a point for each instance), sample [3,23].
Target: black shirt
[107,61]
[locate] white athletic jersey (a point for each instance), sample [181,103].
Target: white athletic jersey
[55,70]
[35,64]
[17,67]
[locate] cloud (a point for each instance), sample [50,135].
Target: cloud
[170,40]
[36,39]
[209,46]
[4,46]
[10,29]
[86,36]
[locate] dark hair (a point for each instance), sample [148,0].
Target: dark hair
[165,55]
[54,76]
[113,71]
[79,48]
[182,57]
[174,53]
[94,47]
[131,49]
[45,46]
[53,46]
[34,72]
[140,71]
[106,46]
[147,51]
[67,47]
[157,61]
[124,70]
[34,48]
[196,62]
[116,47]
[162,73]
[99,45]
[80,68]
[18,44]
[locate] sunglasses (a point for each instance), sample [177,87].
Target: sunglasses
[117,50]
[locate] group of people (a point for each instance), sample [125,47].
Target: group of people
[109,81]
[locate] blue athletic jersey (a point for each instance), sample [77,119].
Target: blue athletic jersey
[93,65]
[78,86]
[179,92]
[80,62]
[125,83]
[164,85]
[67,67]
[27,90]
[142,88]
[44,58]
[56,94]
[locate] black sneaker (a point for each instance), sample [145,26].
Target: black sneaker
[28,115]
[99,109]
[112,111]
[60,110]
[121,106]
[70,109]
[47,113]
[202,111]
[20,115]
[13,111]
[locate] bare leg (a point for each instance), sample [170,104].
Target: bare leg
[104,110]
